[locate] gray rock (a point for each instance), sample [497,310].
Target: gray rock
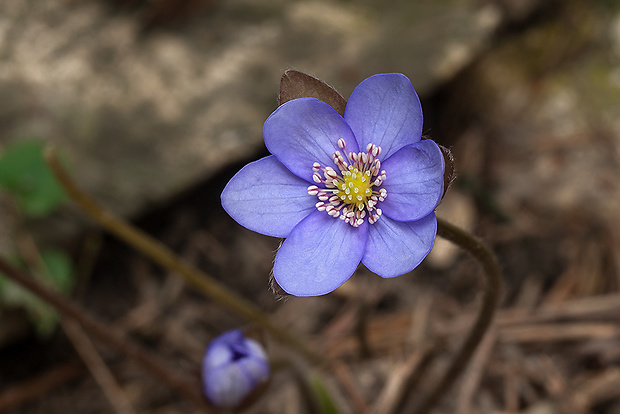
[143,117]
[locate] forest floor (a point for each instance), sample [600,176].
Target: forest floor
[538,163]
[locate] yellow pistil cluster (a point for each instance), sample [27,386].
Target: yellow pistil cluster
[352,190]
[355,187]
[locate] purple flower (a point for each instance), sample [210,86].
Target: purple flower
[343,190]
[232,367]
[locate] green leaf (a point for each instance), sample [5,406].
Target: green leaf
[12,294]
[55,271]
[295,84]
[325,400]
[44,317]
[58,266]
[24,174]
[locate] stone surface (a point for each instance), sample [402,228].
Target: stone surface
[143,117]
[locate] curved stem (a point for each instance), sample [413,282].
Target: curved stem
[490,301]
[163,256]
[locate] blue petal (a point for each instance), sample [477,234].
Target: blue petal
[227,386]
[414,181]
[256,352]
[397,247]
[228,338]
[304,131]
[256,369]
[320,254]
[217,356]
[385,110]
[265,197]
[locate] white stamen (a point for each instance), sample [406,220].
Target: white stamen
[352,190]
[330,172]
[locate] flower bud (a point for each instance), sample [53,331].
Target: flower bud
[233,366]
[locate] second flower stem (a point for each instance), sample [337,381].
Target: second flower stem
[163,256]
[490,301]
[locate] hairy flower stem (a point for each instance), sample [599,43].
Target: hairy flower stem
[115,340]
[490,301]
[170,261]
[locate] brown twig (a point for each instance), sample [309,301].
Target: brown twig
[82,344]
[420,321]
[163,256]
[122,345]
[607,306]
[511,391]
[34,388]
[490,300]
[344,376]
[395,390]
[602,387]
[84,347]
[97,367]
[555,332]
[472,381]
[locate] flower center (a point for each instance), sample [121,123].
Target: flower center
[352,192]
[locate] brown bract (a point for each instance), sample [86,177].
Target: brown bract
[295,84]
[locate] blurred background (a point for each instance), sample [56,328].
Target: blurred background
[155,104]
